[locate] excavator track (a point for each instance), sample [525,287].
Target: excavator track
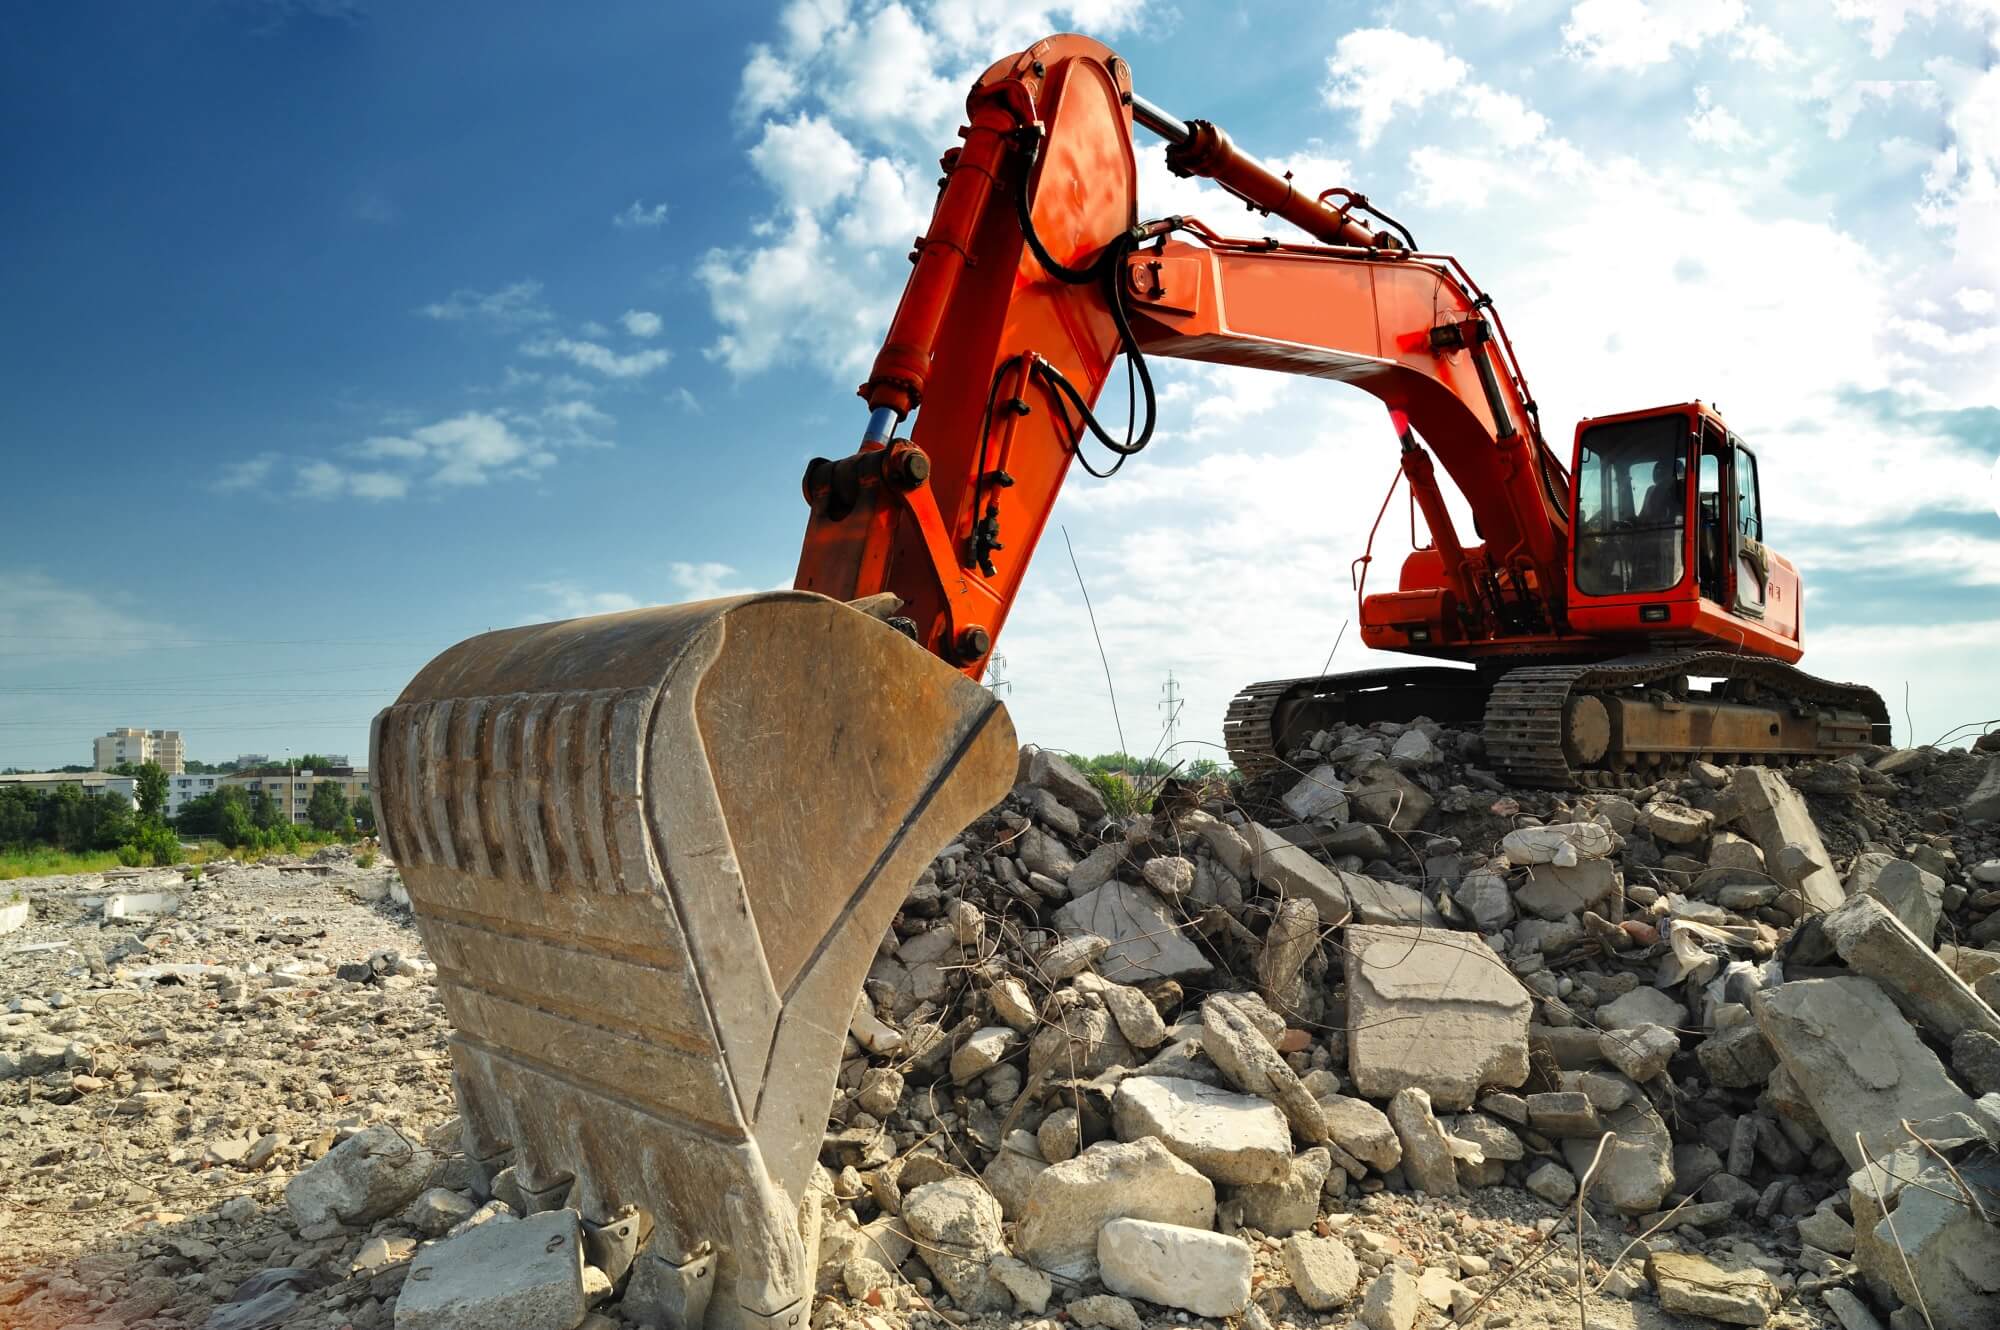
[1549,725]
[1267,720]
[1561,726]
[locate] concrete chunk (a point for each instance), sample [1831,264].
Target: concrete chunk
[526,1275]
[1145,941]
[1320,793]
[1049,771]
[1552,891]
[1434,1010]
[1203,1272]
[1855,1084]
[1697,1286]
[369,1176]
[1071,1201]
[956,1224]
[1875,942]
[1286,869]
[1324,1272]
[1234,1138]
[1774,815]
[1427,1157]
[1278,1208]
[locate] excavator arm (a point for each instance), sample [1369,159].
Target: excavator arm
[653,853]
[1036,276]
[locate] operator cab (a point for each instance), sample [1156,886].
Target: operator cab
[1668,531]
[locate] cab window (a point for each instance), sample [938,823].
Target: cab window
[1749,514]
[1631,506]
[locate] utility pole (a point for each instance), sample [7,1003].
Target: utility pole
[996,671]
[1170,702]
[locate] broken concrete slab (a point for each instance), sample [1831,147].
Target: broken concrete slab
[1773,814]
[1175,1266]
[1324,1272]
[1877,942]
[1912,894]
[1051,772]
[1146,943]
[1375,901]
[1699,1287]
[1233,1138]
[1286,869]
[524,1275]
[1427,1155]
[1072,1201]
[1278,1208]
[1434,1010]
[369,1176]
[1359,1128]
[1983,804]
[1250,1062]
[1553,891]
[1914,1233]
[1319,794]
[1644,1005]
[1564,844]
[1855,1085]
[956,1225]
[1636,1170]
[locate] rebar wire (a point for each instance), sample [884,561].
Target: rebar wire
[1108,688]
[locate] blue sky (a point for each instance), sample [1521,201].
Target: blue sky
[336,332]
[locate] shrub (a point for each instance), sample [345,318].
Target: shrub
[365,859]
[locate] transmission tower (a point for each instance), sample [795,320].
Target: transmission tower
[1170,702]
[996,680]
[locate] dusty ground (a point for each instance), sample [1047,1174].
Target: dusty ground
[179,1069]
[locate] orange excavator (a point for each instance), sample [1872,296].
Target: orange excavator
[653,853]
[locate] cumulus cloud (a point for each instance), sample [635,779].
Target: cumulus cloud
[248,474]
[640,216]
[511,306]
[1636,34]
[807,161]
[598,358]
[1714,125]
[325,480]
[468,449]
[640,322]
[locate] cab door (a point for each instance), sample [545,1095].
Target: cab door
[1750,562]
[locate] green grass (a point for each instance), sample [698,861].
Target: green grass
[44,861]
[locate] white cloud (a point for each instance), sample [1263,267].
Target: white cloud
[640,216]
[571,600]
[324,480]
[600,358]
[640,322]
[807,161]
[512,306]
[705,581]
[43,620]
[1637,34]
[1973,300]
[769,84]
[467,449]
[1714,125]
[1375,72]
[248,474]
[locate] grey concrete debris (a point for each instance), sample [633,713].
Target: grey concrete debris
[1072,1201]
[1392,1301]
[1252,1065]
[1698,1287]
[1427,1153]
[1231,1138]
[369,1176]
[527,1275]
[1855,1085]
[1145,940]
[1434,1010]
[956,1224]
[1175,1266]
[1286,1206]
[1323,1271]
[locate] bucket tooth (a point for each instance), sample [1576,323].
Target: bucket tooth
[652,855]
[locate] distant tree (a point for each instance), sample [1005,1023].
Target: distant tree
[316,762]
[152,790]
[364,816]
[327,808]
[195,767]
[152,842]
[125,769]
[20,811]
[264,811]
[72,771]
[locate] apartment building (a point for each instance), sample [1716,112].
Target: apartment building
[91,782]
[292,790]
[128,744]
[187,786]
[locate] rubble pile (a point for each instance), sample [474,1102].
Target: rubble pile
[1366,1044]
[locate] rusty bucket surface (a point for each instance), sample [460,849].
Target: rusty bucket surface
[652,855]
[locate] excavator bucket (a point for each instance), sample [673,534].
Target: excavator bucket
[652,855]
